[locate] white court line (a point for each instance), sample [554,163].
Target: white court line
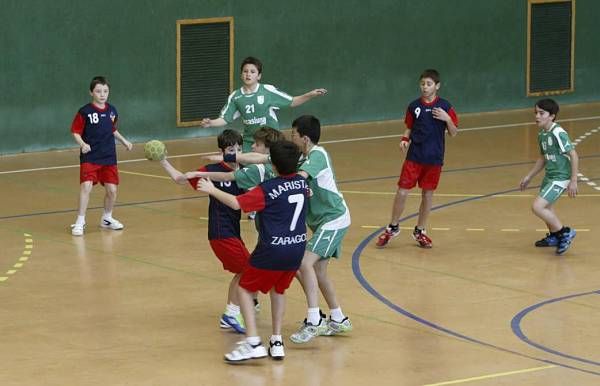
[324,142]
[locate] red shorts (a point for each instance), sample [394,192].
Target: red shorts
[105,174]
[232,252]
[263,280]
[428,176]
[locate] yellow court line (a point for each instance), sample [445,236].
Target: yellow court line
[475,229]
[144,174]
[492,376]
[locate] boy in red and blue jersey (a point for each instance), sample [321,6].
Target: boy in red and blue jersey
[427,119]
[281,206]
[223,225]
[94,128]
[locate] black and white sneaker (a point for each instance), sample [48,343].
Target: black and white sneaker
[276,350]
[111,223]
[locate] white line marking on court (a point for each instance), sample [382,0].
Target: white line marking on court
[324,142]
[496,375]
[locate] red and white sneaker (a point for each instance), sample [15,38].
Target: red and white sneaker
[421,238]
[386,236]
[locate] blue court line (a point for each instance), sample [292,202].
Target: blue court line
[371,290]
[515,324]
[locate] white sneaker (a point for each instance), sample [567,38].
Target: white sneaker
[77,229]
[276,350]
[111,223]
[244,351]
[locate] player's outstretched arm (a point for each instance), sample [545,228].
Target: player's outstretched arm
[242,158]
[301,99]
[214,176]
[175,174]
[205,185]
[207,122]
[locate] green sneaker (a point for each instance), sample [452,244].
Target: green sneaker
[308,331]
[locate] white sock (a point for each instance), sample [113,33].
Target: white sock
[232,310]
[336,314]
[80,220]
[276,338]
[313,316]
[107,215]
[253,340]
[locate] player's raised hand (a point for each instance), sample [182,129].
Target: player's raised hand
[318,92]
[205,185]
[85,148]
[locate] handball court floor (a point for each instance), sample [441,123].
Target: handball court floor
[141,306]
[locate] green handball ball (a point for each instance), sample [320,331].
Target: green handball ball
[155,150]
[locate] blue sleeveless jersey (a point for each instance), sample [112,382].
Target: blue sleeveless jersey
[223,222]
[281,204]
[96,128]
[427,134]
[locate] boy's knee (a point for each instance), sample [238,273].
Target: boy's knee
[87,186]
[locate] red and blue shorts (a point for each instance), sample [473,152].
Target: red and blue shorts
[428,176]
[104,174]
[232,253]
[263,280]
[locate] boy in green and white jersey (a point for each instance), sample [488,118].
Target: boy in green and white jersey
[560,161]
[329,219]
[256,103]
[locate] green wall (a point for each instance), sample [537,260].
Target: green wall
[368,54]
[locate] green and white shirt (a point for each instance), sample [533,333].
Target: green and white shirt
[257,109]
[326,206]
[251,175]
[554,146]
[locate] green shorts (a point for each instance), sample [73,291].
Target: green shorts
[552,190]
[326,243]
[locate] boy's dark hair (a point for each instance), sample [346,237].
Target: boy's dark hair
[98,80]
[432,74]
[308,125]
[284,156]
[548,105]
[229,138]
[268,136]
[252,60]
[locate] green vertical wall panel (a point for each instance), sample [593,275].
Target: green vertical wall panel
[368,54]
